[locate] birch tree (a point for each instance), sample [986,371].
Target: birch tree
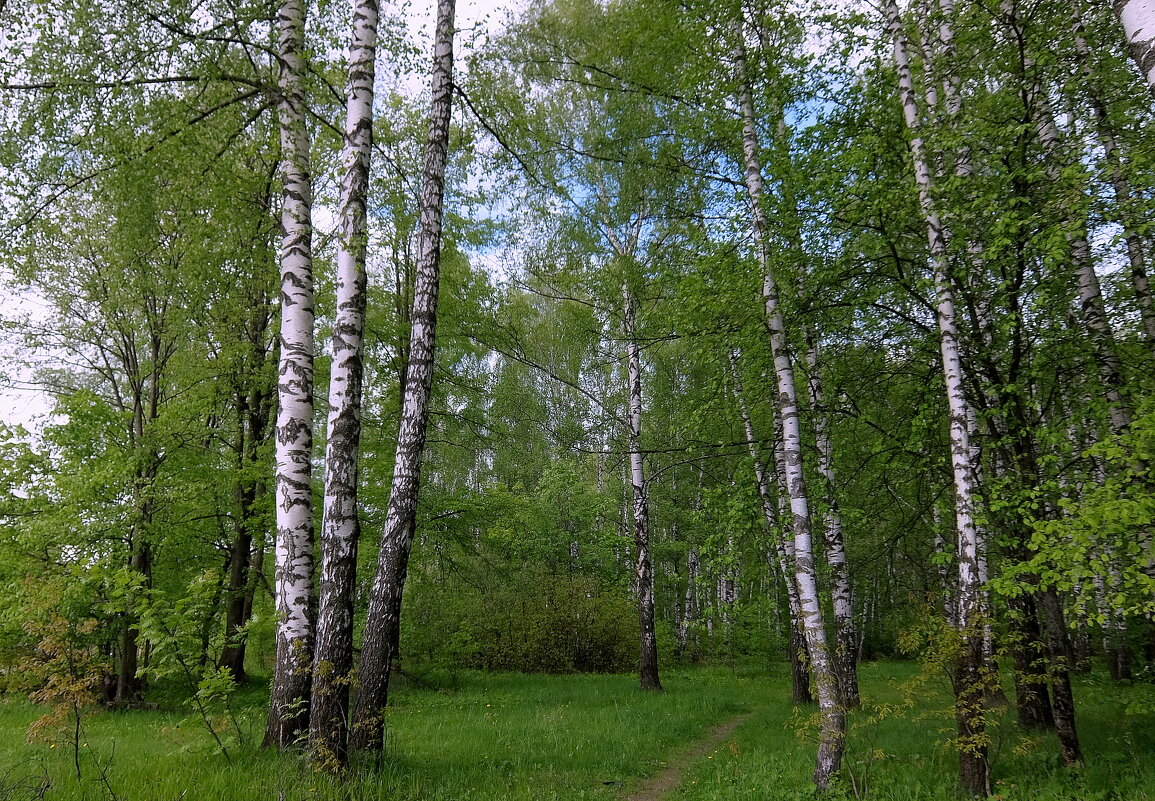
[833,721]
[644,568]
[1138,20]
[974,770]
[288,707]
[383,626]
[333,659]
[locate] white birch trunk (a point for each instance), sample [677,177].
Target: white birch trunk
[382,628]
[833,720]
[340,529]
[1138,18]
[844,651]
[1092,308]
[1124,197]
[779,554]
[643,566]
[974,770]
[288,711]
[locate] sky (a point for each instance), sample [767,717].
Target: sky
[22,402]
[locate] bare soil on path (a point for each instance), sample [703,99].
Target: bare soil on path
[659,786]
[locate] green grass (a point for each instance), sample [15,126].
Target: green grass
[902,754]
[516,737]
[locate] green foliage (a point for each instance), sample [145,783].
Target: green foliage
[531,621]
[1103,536]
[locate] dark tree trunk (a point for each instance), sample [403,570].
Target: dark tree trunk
[1063,700]
[799,659]
[382,629]
[970,703]
[1032,699]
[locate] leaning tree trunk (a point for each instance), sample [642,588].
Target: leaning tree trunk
[970,682]
[844,642]
[1138,18]
[289,702]
[1126,213]
[382,627]
[643,566]
[1092,307]
[833,718]
[799,656]
[340,528]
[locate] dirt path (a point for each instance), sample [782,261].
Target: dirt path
[659,786]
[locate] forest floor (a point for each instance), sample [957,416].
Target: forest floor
[475,736]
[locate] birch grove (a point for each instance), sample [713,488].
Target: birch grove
[750,341]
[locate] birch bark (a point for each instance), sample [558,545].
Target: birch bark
[340,528]
[799,656]
[288,708]
[1138,19]
[1124,195]
[643,566]
[833,719]
[379,648]
[1092,308]
[844,650]
[974,770]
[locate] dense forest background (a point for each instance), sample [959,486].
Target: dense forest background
[701,268]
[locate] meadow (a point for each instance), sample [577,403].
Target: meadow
[473,736]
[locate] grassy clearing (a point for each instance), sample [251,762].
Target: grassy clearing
[577,738]
[901,754]
[491,736]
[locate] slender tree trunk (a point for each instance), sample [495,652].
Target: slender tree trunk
[643,567]
[1092,307]
[341,528]
[844,650]
[970,682]
[1032,699]
[833,720]
[1060,673]
[1124,196]
[289,702]
[253,414]
[382,629]
[798,653]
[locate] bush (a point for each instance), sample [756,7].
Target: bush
[534,621]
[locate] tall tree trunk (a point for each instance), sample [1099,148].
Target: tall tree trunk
[382,628]
[798,653]
[1092,307]
[340,527]
[1125,211]
[643,567]
[253,413]
[970,683]
[833,719]
[1032,698]
[844,650]
[289,702]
